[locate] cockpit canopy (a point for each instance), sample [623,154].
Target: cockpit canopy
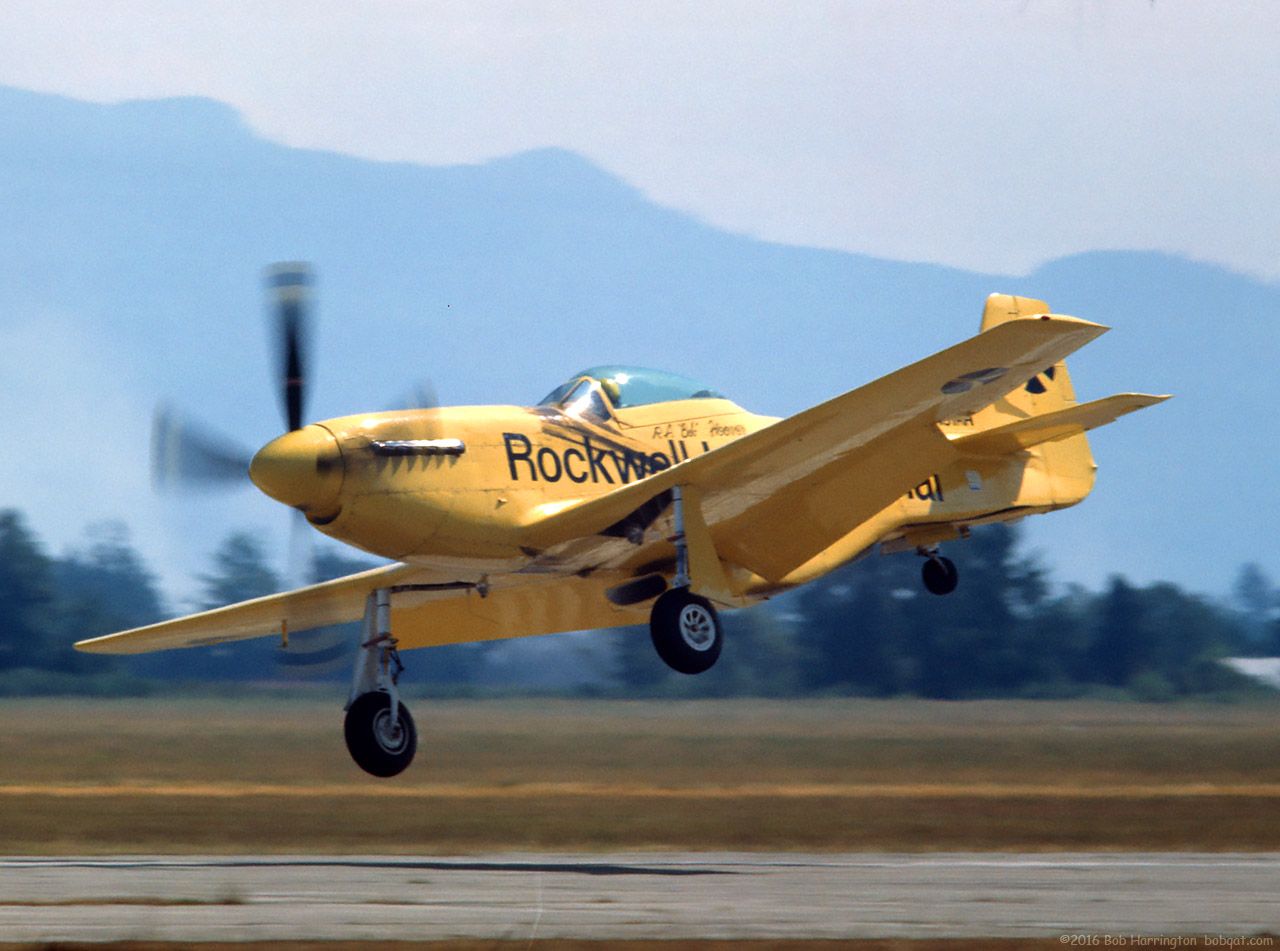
[632,386]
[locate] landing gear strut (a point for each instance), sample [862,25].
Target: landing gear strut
[380,733]
[939,574]
[685,627]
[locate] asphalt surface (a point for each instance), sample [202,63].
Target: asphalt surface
[639,895]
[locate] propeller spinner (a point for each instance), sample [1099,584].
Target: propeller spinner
[302,468]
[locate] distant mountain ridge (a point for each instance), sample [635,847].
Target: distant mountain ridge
[133,237]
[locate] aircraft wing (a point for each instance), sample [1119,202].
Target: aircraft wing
[512,606]
[318,605]
[769,497]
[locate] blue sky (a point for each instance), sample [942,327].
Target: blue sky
[989,135]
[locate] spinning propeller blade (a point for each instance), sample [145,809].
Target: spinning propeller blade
[290,286]
[187,453]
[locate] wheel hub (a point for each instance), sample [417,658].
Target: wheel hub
[391,735]
[697,627]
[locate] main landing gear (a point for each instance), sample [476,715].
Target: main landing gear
[686,631]
[685,627]
[939,574]
[380,733]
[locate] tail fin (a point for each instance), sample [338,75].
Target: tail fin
[1027,451]
[1061,472]
[1047,391]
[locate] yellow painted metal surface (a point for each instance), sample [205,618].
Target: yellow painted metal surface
[332,602]
[1030,431]
[547,508]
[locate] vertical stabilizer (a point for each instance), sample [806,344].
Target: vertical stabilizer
[1063,469]
[1002,308]
[1048,390]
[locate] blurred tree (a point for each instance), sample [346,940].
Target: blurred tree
[1256,598]
[26,598]
[636,665]
[761,657]
[103,587]
[1119,637]
[983,638]
[330,563]
[1159,639]
[867,628]
[1063,632]
[240,572]
[1186,636]
[857,626]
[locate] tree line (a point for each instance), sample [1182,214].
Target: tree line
[870,629]
[867,629]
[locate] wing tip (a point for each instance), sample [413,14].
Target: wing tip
[1054,320]
[106,644]
[1143,400]
[1080,323]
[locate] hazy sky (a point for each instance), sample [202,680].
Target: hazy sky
[988,135]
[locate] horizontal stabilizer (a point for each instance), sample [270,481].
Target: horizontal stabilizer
[1072,421]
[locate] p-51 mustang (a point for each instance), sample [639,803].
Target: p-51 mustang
[630,496]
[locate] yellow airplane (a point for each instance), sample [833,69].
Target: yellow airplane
[630,496]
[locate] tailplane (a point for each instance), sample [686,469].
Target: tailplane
[1050,427]
[1039,423]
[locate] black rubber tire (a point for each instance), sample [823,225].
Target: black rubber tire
[939,575]
[686,631]
[373,750]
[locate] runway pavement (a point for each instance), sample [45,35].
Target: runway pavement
[637,895]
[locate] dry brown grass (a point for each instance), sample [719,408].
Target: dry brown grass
[560,944]
[172,776]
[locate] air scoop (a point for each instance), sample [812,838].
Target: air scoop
[302,468]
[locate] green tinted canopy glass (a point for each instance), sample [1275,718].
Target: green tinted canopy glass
[636,386]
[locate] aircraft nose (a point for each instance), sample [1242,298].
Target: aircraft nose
[302,468]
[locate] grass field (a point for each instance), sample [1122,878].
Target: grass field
[262,775]
[865,944]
